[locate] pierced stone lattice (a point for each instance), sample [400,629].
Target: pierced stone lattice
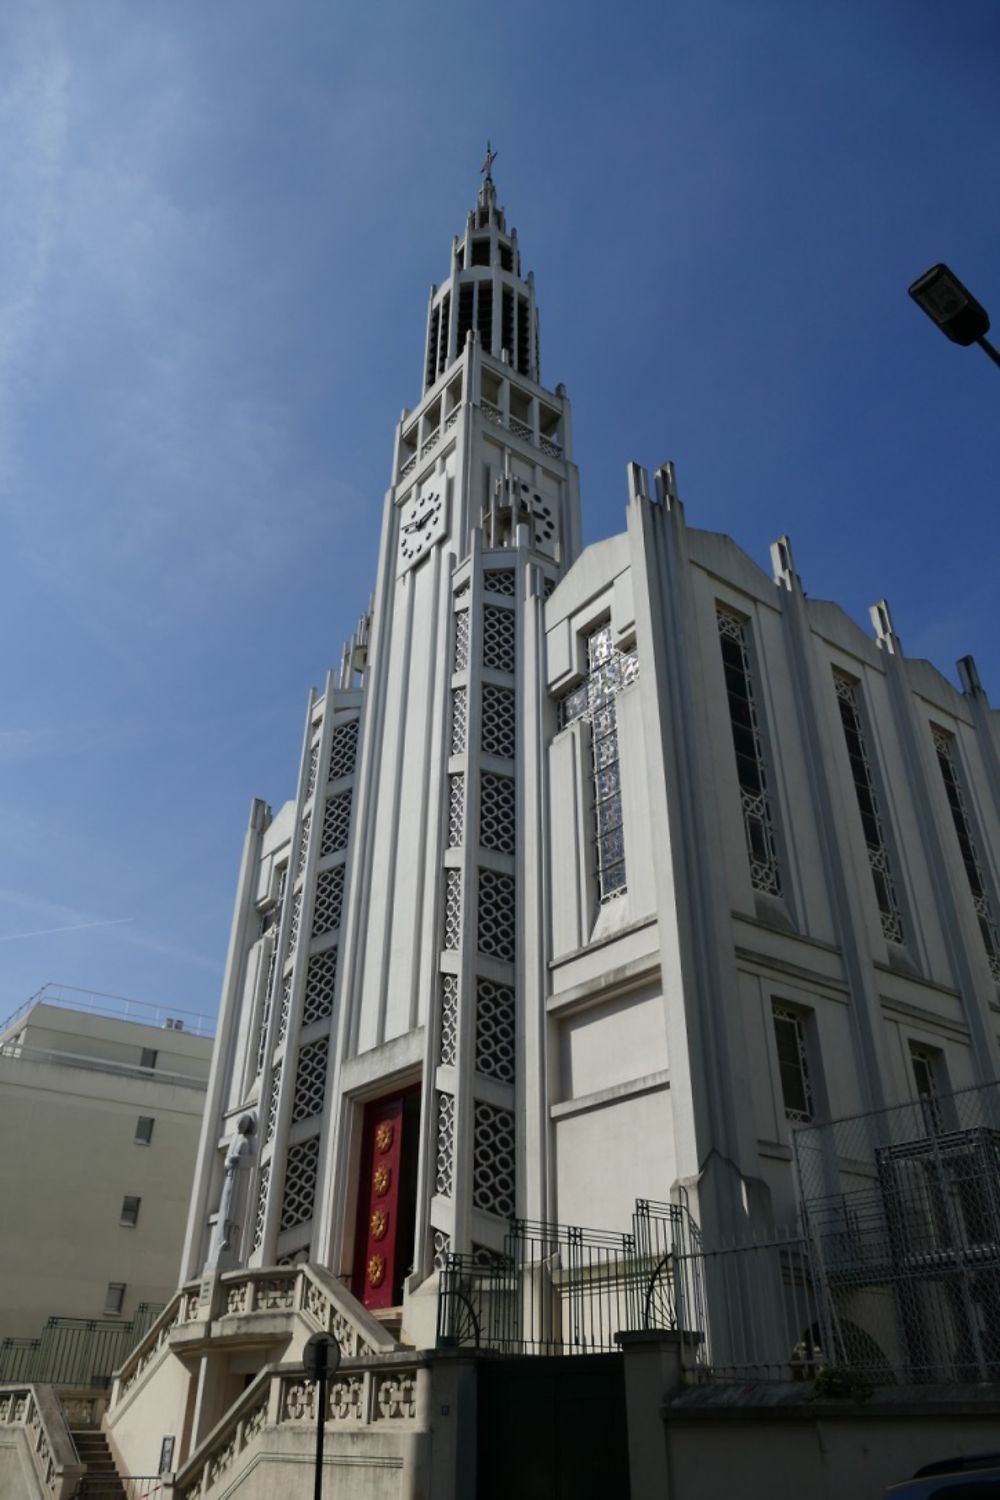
[441,1245]
[493,1160]
[495,1030]
[499,721]
[286,1005]
[461,640]
[449,1019]
[329,900]
[303,842]
[300,1183]
[344,749]
[321,981]
[310,1081]
[496,926]
[293,925]
[336,824]
[459,720]
[445,1144]
[497,813]
[272,1103]
[499,626]
[313,767]
[502,581]
[452,908]
[456,809]
[263,1179]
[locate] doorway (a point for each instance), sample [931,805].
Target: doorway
[387,1198]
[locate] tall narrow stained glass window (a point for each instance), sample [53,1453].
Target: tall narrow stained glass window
[863,776]
[748,744]
[609,670]
[985,911]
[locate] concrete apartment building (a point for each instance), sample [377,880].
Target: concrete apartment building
[100,1110]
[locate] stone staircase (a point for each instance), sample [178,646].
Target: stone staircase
[101,1481]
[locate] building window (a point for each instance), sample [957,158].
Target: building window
[793,1064]
[609,670]
[748,743]
[148,1057]
[985,911]
[144,1130]
[114,1299]
[130,1212]
[927,1065]
[863,776]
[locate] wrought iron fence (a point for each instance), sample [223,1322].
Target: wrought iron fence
[75,1351]
[902,1210]
[892,1272]
[668,1286]
[555,1289]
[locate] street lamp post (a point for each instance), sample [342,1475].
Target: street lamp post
[949,304]
[321,1359]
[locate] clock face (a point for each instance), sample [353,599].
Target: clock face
[421,525]
[543,511]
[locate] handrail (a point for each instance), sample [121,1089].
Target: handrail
[37,1410]
[154,1339]
[123,1008]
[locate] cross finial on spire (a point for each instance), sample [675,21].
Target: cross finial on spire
[487,166]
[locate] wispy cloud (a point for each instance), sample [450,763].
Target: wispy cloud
[13,937]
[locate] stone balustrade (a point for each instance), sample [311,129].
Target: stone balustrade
[36,1410]
[365,1397]
[236,1295]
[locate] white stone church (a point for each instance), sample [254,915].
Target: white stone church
[607,869]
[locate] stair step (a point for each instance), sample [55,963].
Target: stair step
[103,1482]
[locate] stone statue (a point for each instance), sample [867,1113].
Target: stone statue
[237,1159]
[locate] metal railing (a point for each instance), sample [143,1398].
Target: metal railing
[75,1351]
[902,1211]
[119,1007]
[123,1486]
[555,1289]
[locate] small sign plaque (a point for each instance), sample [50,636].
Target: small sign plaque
[167,1455]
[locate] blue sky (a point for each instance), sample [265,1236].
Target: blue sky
[220,225]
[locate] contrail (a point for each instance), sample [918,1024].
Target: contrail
[12,937]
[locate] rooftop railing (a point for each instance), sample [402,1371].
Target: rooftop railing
[118,1007]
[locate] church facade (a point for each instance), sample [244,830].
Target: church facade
[607,869]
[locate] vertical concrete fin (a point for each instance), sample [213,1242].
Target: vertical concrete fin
[783,564]
[885,634]
[968,676]
[638,483]
[666,485]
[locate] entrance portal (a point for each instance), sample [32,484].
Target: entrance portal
[387,1198]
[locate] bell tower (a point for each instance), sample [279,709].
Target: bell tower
[383,1009]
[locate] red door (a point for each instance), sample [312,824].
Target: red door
[382,1203]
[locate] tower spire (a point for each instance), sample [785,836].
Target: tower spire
[488,192]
